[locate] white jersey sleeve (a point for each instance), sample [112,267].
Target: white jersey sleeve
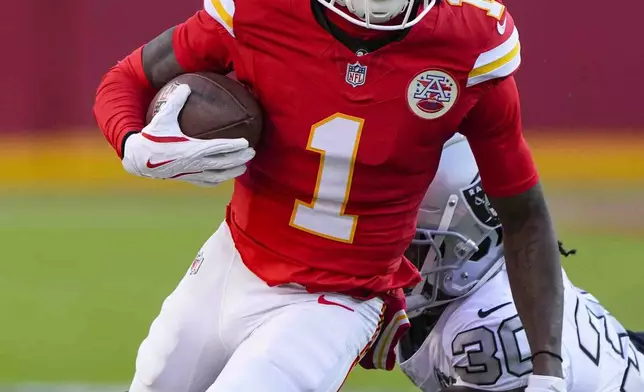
[479,342]
[604,358]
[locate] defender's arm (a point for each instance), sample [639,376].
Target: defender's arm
[493,128]
[534,268]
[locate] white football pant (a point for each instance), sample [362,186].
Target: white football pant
[224,329]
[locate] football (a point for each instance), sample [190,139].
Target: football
[217,108]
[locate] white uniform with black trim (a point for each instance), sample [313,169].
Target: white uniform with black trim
[479,342]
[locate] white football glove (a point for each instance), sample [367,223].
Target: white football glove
[537,383]
[161,150]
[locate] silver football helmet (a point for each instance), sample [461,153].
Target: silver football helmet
[458,243]
[374,14]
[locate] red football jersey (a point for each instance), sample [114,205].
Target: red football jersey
[352,138]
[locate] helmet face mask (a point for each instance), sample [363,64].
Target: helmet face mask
[429,250]
[376,14]
[453,270]
[458,242]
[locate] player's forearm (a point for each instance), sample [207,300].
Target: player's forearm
[122,99]
[534,270]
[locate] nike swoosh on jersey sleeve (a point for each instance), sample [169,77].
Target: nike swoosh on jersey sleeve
[498,62]
[222,11]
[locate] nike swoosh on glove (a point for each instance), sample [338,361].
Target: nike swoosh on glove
[161,150]
[538,383]
[382,353]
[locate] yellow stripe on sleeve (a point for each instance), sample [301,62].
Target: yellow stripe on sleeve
[498,62]
[493,66]
[222,11]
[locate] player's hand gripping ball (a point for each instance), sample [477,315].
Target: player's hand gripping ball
[218,108]
[201,129]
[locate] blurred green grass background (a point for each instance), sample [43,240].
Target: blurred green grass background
[84,273]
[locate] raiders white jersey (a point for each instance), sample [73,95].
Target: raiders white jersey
[479,342]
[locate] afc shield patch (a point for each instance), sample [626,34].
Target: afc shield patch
[431,94]
[356,74]
[479,205]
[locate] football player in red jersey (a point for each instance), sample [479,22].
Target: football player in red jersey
[359,98]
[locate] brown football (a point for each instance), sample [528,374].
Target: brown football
[218,108]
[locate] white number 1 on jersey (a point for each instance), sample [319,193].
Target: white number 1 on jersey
[336,139]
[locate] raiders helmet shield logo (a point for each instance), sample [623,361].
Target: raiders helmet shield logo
[479,205]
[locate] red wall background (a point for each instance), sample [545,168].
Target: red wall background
[583,65]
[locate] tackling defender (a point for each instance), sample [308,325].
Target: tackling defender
[359,97]
[465,331]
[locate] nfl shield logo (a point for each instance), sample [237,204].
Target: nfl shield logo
[356,74]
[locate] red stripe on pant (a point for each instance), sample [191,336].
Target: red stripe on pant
[368,346]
